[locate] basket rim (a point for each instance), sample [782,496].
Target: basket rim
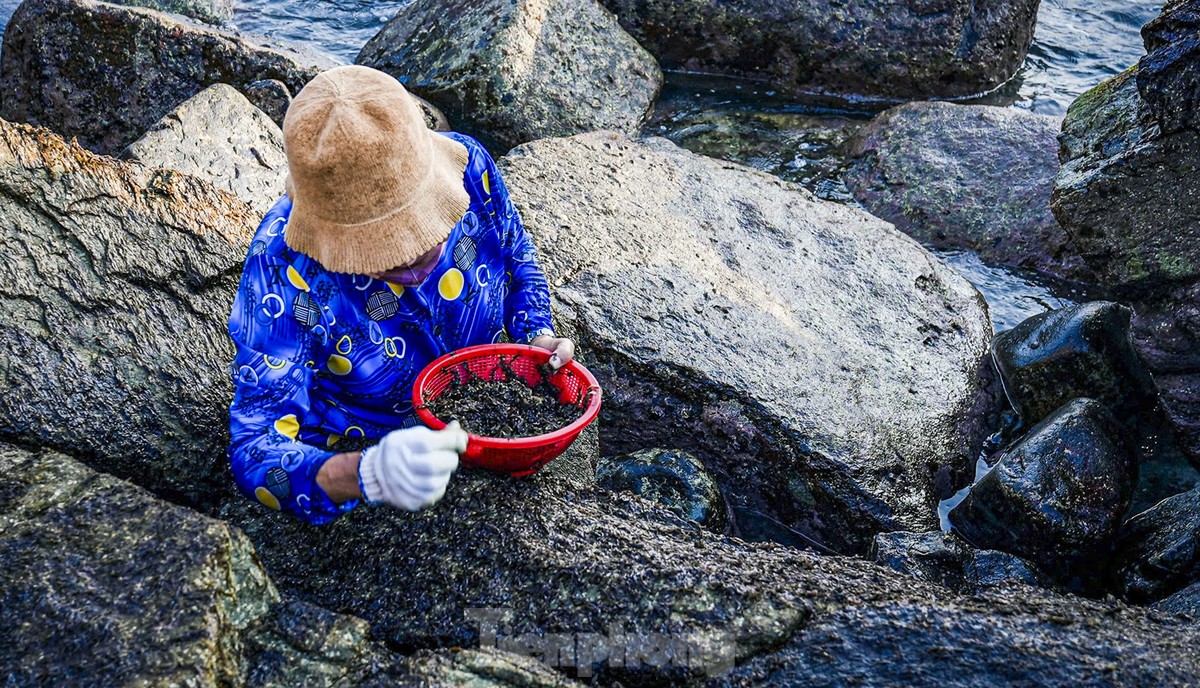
[594,394]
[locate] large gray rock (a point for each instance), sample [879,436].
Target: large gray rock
[944,559]
[966,176]
[105,73]
[1159,551]
[1124,193]
[889,49]
[1169,74]
[219,136]
[510,72]
[824,366]
[1057,497]
[117,293]
[105,584]
[1186,601]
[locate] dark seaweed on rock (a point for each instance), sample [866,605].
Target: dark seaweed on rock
[507,409]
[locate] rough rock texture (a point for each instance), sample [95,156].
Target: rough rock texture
[1169,74]
[1166,330]
[737,317]
[966,176]
[218,136]
[1159,551]
[104,583]
[889,49]
[509,72]
[105,73]
[986,641]
[1057,497]
[1186,601]
[674,479]
[271,96]
[1079,351]
[611,570]
[1126,194]
[210,11]
[944,559]
[117,288]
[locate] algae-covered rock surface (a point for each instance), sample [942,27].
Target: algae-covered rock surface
[822,364]
[117,286]
[510,72]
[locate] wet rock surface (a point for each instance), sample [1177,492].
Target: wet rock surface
[209,11]
[1169,74]
[508,72]
[1118,191]
[896,49]
[942,558]
[1186,601]
[1080,351]
[117,297]
[1056,497]
[105,73]
[663,262]
[966,176]
[676,480]
[218,136]
[1166,331]
[1159,551]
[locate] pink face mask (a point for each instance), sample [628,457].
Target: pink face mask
[416,272]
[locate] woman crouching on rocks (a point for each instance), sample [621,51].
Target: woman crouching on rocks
[394,245]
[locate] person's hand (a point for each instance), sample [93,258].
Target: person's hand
[409,469]
[562,349]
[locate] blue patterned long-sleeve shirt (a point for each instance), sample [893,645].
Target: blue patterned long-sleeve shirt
[323,356]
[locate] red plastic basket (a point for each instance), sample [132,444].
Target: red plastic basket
[522,456]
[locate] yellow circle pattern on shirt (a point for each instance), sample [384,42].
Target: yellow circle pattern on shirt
[264,495]
[288,426]
[450,286]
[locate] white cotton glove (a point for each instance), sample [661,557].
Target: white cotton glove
[409,469]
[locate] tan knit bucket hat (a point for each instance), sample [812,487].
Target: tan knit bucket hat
[372,188]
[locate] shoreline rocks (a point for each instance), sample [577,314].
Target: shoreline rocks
[966,176]
[1057,496]
[677,480]
[1159,551]
[219,136]
[876,51]
[508,73]
[662,263]
[104,73]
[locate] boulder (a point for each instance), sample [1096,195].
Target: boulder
[104,73]
[1169,74]
[271,96]
[823,366]
[510,72]
[1080,351]
[614,587]
[117,300]
[1186,601]
[1159,551]
[1118,191]
[944,559]
[674,479]
[209,11]
[894,50]
[966,176]
[104,583]
[908,643]
[1166,331]
[1056,497]
[218,136]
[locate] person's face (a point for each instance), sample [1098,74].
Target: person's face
[417,271]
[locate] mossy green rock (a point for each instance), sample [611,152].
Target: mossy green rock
[884,49]
[510,71]
[1124,193]
[966,176]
